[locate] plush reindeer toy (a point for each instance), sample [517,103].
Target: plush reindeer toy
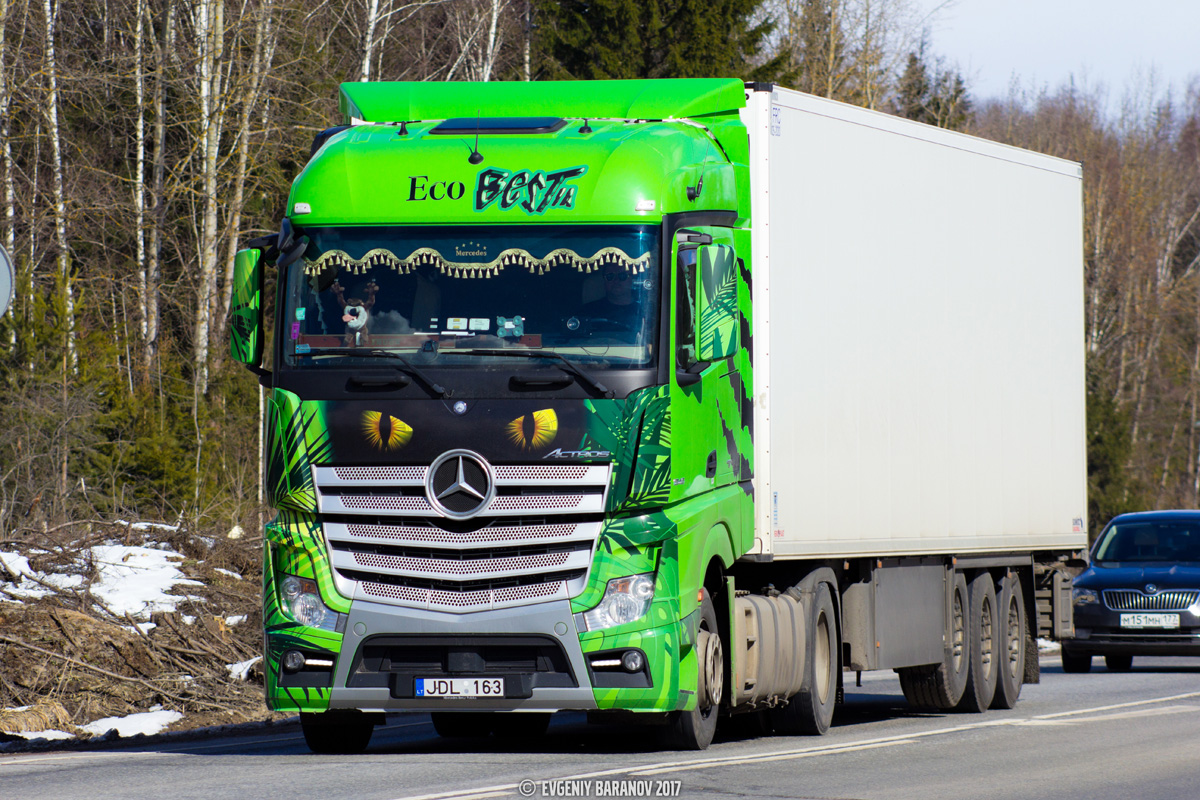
[356,313]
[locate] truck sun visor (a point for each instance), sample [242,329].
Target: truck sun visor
[513,256]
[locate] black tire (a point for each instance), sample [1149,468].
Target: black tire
[1075,663]
[940,687]
[1011,656]
[810,710]
[332,733]
[694,730]
[1118,663]
[520,726]
[462,725]
[984,667]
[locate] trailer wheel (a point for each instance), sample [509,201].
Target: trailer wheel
[1011,656]
[1074,663]
[332,733]
[940,686]
[464,725]
[694,730]
[810,710]
[983,640]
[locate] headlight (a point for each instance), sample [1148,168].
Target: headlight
[625,599]
[1084,597]
[301,600]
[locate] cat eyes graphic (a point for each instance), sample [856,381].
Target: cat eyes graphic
[385,431]
[533,431]
[528,431]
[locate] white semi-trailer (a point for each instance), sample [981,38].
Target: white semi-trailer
[919,418]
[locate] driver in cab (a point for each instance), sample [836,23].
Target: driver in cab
[618,311]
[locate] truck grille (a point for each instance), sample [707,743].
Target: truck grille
[531,543]
[1137,600]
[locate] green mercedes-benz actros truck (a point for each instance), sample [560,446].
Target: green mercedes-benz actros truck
[663,400]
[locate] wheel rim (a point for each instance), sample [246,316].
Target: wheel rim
[821,667]
[985,637]
[712,671]
[958,639]
[1014,638]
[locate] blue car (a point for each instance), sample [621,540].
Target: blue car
[1141,593]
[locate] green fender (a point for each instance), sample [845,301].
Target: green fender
[713,514]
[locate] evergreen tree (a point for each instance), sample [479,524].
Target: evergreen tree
[599,39]
[934,96]
[1112,489]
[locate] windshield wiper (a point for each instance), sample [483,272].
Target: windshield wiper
[435,387]
[571,366]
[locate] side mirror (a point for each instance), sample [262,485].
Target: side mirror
[246,327]
[716,303]
[8,280]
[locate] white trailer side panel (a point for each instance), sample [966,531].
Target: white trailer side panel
[924,333]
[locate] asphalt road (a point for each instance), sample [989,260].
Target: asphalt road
[1100,735]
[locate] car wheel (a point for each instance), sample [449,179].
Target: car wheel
[983,646]
[1011,655]
[1075,663]
[338,734]
[1118,663]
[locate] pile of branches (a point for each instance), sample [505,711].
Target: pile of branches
[66,659]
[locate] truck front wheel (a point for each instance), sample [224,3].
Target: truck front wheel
[694,730]
[334,733]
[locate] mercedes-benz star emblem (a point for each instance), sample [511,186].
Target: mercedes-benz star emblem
[460,484]
[1151,588]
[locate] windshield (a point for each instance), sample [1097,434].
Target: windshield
[590,294]
[1176,541]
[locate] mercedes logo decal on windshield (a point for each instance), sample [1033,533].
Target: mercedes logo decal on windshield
[460,484]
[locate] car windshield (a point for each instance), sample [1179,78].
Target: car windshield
[1175,541]
[589,294]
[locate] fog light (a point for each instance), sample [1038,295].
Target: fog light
[293,661]
[633,661]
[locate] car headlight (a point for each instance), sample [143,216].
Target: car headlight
[1084,597]
[625,600]
[301,601]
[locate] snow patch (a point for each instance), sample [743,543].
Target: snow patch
[148,722]
[148,526]
[235,620]
[241,670]
[135,580]
[228,572]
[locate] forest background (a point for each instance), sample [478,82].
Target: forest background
[142,142]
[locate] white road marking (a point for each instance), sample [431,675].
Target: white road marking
[808,752]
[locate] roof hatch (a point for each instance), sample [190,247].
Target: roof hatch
[462,125]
